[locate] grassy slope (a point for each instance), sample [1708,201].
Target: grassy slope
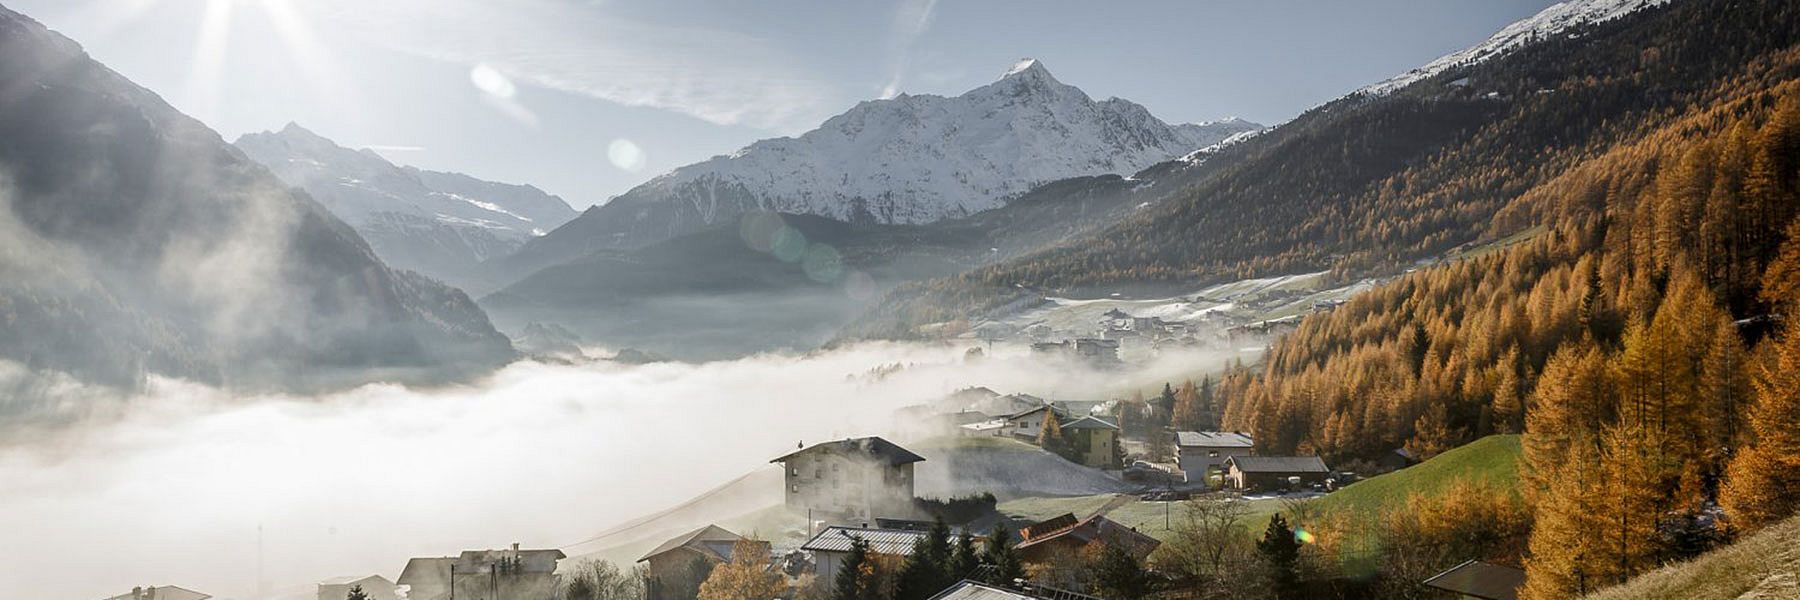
[1493,459]
[1763,566]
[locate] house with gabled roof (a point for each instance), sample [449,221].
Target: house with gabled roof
[851,479]
[511,572]
[375,587]
[831,546]
[1095,440]
[1199,453]
[712,544]
[1045,541]
[1274,472]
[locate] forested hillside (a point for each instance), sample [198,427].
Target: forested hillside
[1638,340]
[1366,184]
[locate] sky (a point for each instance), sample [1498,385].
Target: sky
[587,98]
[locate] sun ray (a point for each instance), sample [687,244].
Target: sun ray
[205,80]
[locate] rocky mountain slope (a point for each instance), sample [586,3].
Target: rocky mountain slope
[906,160]
[136,241]
[440,224]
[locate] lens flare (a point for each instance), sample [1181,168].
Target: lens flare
[492,82]
[789,244]
[822,263]
[626,155]
[758,230]
[1303,536]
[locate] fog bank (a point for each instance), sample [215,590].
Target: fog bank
[173,487]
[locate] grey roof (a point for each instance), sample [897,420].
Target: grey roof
[1213,439]
[1033,410]
[885,541]
[873,446]
[350,579]
[1278,464]
[1078,407]
[705,539]
[1090,423]
[163,592]
[482,561]
[419,571]
[1481,580]
[970,590]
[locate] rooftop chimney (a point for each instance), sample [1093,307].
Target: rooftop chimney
[515,546]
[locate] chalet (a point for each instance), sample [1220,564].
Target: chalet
[1198,453]
[511,573]
[1476,579]
[1028,423]
[375,587]
[1046,541]
[710,544]
[1274,472]
[1095,440]
[831,546]
[857,478]
[161,592]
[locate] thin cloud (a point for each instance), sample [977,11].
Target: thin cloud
[911,20]
[720,76]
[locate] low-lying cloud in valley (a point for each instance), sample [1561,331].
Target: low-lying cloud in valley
[171,486]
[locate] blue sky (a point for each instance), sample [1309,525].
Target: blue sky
[586,98]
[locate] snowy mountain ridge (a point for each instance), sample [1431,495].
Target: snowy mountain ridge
[1552,20]
[909,159]
[440,224]
[922,158]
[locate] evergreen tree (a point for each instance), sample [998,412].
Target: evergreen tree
[1281,556]
[1118,576]
[1164,404]
[998,552]
[855,576]
[357,593]
[964,558]
[927,570]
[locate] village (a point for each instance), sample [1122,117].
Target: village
[851,512]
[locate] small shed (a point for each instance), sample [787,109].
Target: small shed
[1477,579]
[1274,472]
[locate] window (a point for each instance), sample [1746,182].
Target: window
[1212,453]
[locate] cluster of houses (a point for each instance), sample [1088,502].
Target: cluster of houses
[861,489]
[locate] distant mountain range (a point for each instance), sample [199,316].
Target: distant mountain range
[910,159]
[443,225]
[135,241]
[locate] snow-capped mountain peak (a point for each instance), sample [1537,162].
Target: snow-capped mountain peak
[908,159]
[1552,20]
